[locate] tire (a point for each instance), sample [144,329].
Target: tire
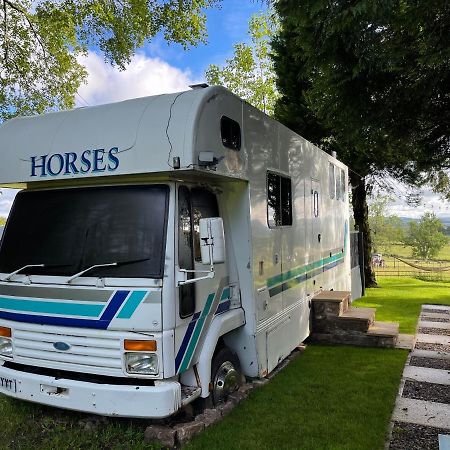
[226,375]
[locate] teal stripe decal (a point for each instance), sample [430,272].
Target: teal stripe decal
[196,334]
[294,273]
[46,307]
[131,304]
[225,294]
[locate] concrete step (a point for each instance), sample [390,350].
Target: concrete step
[380,334]
[358,319]
[328,304]
[383,329]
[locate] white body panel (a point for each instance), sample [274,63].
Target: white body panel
[258,302]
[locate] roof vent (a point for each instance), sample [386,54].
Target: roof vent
[199,86]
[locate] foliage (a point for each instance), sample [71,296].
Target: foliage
[2,221]
[400,300]
[376,75]
[426,237]
[370,80]
[249,73]
[386,228]
[40,41]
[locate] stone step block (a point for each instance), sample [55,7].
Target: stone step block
[330,303]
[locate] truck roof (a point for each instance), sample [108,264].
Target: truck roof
[135,136]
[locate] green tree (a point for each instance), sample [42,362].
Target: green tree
[2,221]
[426,237]
[40,41]
[249,73]
[371,80]
[386,228]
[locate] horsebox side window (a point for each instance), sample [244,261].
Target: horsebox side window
[230,132]
[331,180]
[342,185]
[279,200]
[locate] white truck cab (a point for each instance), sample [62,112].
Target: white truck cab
[160,249]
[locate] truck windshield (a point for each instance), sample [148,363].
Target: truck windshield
[70,230]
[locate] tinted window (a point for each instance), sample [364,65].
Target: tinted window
[279,200]
[70,230]
[185,250]
[342,185]
[331,180]
[230,132]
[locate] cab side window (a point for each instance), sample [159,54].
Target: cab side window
[185,250]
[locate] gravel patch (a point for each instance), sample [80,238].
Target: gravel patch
[431,392]
[440,311]
[436,319]
[440,331]
[434,347]
[432,363]
[408,436]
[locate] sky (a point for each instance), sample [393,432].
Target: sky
[161,68]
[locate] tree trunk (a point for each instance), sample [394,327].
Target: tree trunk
[361,216]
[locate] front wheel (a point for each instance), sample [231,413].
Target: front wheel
[225,375]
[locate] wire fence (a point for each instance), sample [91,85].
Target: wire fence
[393,266]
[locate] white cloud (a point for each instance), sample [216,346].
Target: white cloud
[143,76]
[6,200]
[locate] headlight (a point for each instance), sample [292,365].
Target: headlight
[141,363]
[6,348]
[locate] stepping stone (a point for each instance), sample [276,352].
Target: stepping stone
[438,307]
[430,354]
[429,324]
[405,341]
[427,375]
[444,442]
[433,339]
[422,412]
[435,315]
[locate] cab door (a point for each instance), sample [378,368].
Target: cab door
[198,302]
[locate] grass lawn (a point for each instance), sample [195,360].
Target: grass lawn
[29,426]
[406,252]
[328,398]
[400,300]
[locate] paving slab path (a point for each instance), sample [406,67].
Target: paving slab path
[417,423]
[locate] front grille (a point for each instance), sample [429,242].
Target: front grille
[90,351]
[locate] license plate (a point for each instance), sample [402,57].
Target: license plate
[8,384]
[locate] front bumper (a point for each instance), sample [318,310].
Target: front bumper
[157,401]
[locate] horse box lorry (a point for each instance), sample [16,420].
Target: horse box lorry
[161,248]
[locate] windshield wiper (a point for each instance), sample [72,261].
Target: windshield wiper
[89,269]
[8,277]
[96,266]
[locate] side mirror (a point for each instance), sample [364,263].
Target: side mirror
[212,241]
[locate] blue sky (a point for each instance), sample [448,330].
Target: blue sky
[226,26]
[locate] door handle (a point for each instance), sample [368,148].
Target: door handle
[319,237]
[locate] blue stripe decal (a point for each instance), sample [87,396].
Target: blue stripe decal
[62,321]
[48,307]
[114,304]
[223,307]
[131,304]
[186,340]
